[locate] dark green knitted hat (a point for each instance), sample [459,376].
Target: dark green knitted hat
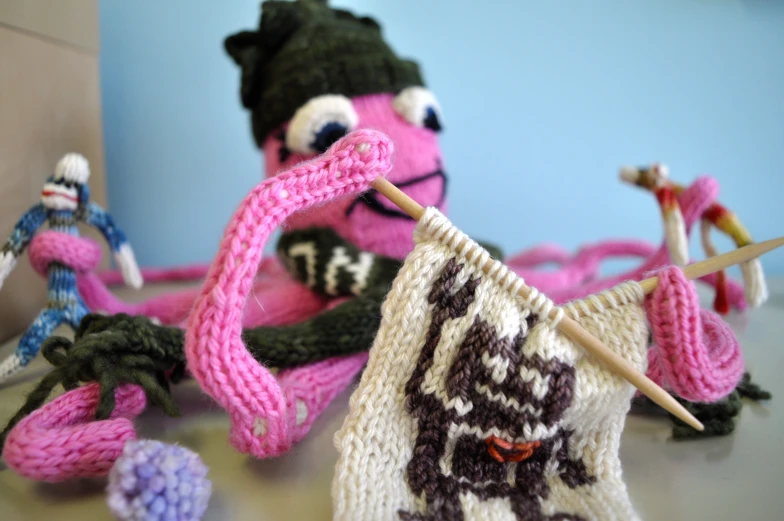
[304,49]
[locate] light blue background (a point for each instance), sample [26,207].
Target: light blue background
[543,101]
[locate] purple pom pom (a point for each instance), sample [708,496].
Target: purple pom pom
[154,481]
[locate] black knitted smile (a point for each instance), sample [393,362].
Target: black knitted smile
[371,201]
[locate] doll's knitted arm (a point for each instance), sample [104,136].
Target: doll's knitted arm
[99,218]
[23,233]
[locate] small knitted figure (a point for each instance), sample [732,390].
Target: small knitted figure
[153,481]
[64,203]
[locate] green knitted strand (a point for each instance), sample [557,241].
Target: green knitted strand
[752,391]
[718,418]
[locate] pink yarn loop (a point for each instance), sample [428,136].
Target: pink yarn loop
[62,440]
[695,353]
[262,408]
[81,254]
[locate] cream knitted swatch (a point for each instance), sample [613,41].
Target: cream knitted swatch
[474,407]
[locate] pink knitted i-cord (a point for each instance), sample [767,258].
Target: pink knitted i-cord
[63,440]
[695,353]
[269,415]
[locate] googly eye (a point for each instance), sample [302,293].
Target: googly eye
[319,123]
[419,106]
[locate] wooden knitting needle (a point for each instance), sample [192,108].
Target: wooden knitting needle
[713,264]
[720,262]
[567,325]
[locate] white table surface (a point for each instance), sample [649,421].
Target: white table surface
[739,477]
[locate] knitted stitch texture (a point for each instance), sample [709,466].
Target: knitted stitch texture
[473,406]
[695,354]
[267,414]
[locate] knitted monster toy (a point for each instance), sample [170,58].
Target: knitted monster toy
[64,203]
[310,74]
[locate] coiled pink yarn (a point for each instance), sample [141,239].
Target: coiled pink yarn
[62,440]
[695,353]
[81,254]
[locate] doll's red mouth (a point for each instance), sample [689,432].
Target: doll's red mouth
[380,205]
[52,193]
[504,451]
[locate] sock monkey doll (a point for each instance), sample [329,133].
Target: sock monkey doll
[65,202]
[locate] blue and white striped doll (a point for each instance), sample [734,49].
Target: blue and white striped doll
[64,203]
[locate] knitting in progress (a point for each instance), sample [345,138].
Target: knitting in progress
[332,267]
[65,201]
[313,257]
[473,406]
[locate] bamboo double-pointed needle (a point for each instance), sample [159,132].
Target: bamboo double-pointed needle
[567,325]
[714,264]
[720,262]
